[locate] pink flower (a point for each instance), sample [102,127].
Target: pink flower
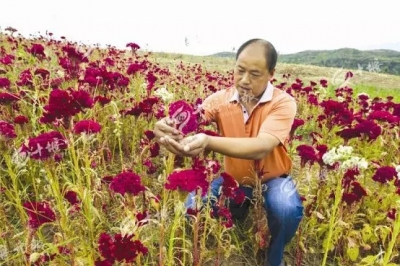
[127,182]
[39,213]
[87,126]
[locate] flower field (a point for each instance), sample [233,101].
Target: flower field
[83,181]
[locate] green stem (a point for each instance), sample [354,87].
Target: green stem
[395,234]
[338,197]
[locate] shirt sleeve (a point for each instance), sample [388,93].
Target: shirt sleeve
[280,119]
[211,106]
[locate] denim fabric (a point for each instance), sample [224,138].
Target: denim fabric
[283,206]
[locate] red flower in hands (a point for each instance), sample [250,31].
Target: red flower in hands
[184,116]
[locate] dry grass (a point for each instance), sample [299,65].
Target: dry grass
[305,72]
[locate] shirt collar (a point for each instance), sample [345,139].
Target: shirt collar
[266,97]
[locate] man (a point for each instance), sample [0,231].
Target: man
[255,120]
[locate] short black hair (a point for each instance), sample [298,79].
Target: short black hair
[271,56]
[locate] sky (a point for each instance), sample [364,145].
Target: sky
[210,26]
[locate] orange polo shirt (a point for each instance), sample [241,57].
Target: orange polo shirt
[273,114]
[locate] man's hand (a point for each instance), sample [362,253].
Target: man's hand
[190,146]
[164,129]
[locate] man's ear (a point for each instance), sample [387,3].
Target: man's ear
[272,73]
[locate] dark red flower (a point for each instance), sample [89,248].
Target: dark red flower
[7,130]
[102,100]
[307,154]
[133,46]
[127,182]
[25,78]
[39,213]
[187,180]
[71,197]
[5,83]
[8,98]
[391,214]
[296,123]
[21,119]
[324,83]
[87,126]
[384,174]
[37,50]
[44,146]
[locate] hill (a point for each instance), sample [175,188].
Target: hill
[382,60]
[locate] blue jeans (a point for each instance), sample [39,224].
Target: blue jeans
[283,206]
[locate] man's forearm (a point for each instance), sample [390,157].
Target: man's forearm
[243,148]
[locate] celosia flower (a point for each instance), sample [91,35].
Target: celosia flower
[37,50]
[120,248]
[25,78]
[187,180]
[384,174]
[21,119]
[7,130]
[39,213]
[87,126]
[127,182]
[184,116]
[44,145]
[5,83]
[71,197]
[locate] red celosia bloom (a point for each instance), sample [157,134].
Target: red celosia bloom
[369,128]
[332,107]
[133,46]
[127,182]
[7,59]
[75,55]
[149,134]
[37,50]
[154,150]
[25,78]
[151,168]
[44,145]
[383,116]
[7,98]
[229,185]
[349,74]
[120,249]
[307,154]
[396,109]
[184,116]
[21,119]
[312,99]
[7,130]
[71,197]
[39,213]
[42,72]
[5,83]
[102,100]
[296,123]
[384,174]
[187,180]
[356,193]
[87,126]
[324,83]
[392,214]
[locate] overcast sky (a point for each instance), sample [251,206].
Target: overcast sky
[210,26]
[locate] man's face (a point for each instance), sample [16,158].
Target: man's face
[251,75]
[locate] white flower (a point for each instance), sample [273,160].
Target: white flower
[398,169]
[164,94]
[354,162]
[345,150]
[340,99]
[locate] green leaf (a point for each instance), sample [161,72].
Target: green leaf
[353,252]
[368,261]
[366,232]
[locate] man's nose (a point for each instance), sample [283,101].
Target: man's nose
[246,78]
